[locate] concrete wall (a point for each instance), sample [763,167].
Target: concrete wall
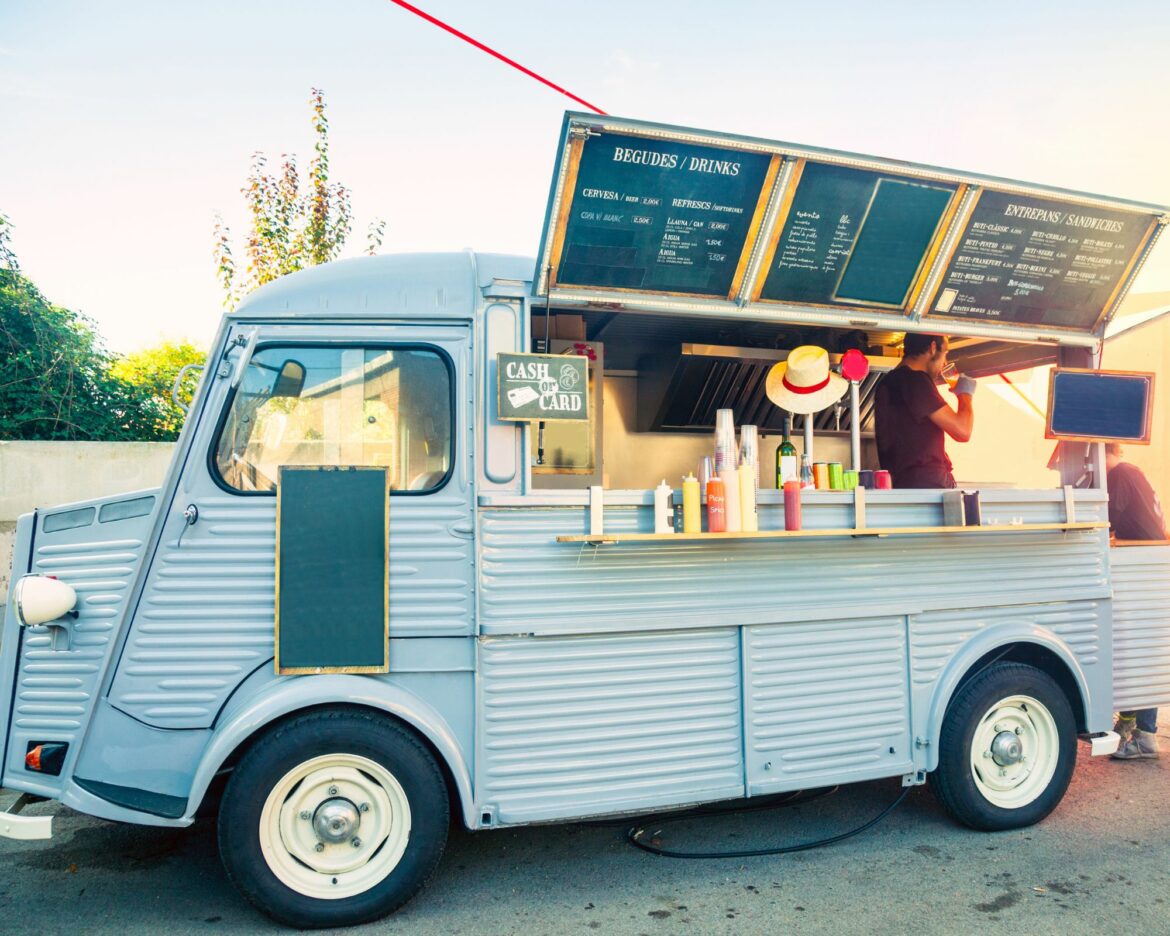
[48,474]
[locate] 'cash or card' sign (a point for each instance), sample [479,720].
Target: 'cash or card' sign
[548,387]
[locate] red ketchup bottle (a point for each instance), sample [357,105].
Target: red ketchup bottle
[716,506]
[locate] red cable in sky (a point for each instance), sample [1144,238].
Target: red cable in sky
[503,58]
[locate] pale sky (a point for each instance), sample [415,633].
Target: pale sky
[128,124]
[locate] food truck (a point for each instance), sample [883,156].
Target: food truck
[407,566]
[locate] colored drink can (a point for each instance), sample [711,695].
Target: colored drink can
[836,477]
[882,480]
[821,475]
[851,480]
[865,478]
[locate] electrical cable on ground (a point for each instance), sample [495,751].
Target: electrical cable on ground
[635,833]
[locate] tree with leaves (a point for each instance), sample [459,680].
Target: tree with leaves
[291,227]
[152,372]
[57,381]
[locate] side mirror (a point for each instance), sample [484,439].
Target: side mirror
[290,381]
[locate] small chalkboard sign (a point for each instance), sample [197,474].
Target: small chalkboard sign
[657,215]
[332,570]
[1100,406]
[544,387]
[1026,260]
[855,237]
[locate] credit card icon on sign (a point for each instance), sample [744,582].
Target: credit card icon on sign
[519,396]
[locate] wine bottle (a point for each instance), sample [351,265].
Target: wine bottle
[786,465]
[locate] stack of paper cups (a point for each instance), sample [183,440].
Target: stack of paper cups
[749,453]
[725,448]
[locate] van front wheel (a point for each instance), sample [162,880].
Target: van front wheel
[1007,749]
[335,818]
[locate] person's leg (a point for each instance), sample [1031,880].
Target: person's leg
[1142,742]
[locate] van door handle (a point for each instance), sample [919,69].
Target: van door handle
[463,528]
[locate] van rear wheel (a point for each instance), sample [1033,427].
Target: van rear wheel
[1007,749]
[335,818]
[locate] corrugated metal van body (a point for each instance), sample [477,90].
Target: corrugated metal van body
[606,673]
[1141,626]
[97,547]
[207,615]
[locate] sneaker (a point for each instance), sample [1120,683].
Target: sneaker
[1125,726]
[1140,744]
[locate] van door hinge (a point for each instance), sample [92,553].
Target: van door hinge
[921,743]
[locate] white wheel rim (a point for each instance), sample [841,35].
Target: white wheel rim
[329,870]
[1011,778]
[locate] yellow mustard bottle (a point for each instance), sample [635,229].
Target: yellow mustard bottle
[692,518]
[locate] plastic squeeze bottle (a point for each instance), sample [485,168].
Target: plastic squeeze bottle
[716,506]
[730,479]
[663,509]
[692,519]
[747,497]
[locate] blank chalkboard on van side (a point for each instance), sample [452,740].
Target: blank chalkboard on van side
[332,562]
[1100,406]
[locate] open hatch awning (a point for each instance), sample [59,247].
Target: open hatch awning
[650,218]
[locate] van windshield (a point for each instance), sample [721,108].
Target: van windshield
[309,406]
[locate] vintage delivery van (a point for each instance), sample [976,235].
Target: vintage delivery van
[375,593]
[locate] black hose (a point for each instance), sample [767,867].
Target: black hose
[633,836]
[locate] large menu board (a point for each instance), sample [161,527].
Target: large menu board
[1038,261]
[854,236]
[659,215]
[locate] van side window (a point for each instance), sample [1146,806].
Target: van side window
[299,405]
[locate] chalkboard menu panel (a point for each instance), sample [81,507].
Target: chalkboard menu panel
[332,548]
[659,215]
[1100,405]
[854,236]
[1038,261]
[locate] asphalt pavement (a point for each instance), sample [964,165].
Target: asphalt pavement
[1099,864]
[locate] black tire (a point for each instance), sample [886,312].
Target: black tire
[964,784]
[287,750]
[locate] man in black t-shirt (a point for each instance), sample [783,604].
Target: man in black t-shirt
[912,418]
[1134,514]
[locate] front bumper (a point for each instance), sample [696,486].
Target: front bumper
[27,828]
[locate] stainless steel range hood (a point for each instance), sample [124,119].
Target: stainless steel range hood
[680,392]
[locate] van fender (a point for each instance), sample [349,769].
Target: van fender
[288,696]
[980,644]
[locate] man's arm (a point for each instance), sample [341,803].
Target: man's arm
[957,424]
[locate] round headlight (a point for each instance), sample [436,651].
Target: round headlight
[39,599]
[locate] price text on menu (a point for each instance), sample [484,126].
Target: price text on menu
[659,215]
[1037,261]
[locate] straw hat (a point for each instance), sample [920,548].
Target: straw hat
[803,383]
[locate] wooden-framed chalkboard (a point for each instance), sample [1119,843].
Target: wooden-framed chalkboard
[647,214]
[332,570]
[1100,406]
[854,237]
[1027,260]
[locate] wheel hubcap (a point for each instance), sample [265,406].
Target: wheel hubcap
[336,820]
[1014,751]
[310,821]
[1006,748]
